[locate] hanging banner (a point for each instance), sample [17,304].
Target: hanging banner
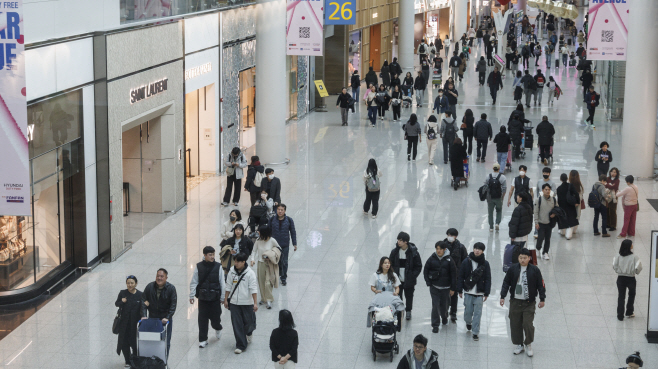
[304,34]
[607,37]
[14,170]
[652,321]
[339,12]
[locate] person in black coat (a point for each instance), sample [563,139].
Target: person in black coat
[355,83]
[520,225]
[245,245]
[587,78]
[395,67]
[284,340]
[407,264]
[440,275]
[570,210]
[159,301]
[371,78]
[250,183]
[429,359]
[272,185]
[545,132]
[521,114]
[395,81]
[129,302]
[603,159]
[385,73]
[468,121]
[458,253]
[495,83]
[478,294]
[515,127]
[457,156]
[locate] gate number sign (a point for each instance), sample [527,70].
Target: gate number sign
[339,12]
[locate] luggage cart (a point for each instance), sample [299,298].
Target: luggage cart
[152,339]
[437,78]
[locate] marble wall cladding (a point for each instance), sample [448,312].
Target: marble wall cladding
[235,59]
[129,52]
[302,80]
[238,24]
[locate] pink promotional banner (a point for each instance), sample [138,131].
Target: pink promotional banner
[14,154]
[607,37]
[305,27]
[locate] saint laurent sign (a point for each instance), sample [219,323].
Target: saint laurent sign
[149,90]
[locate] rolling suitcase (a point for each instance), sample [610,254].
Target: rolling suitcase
[529,138]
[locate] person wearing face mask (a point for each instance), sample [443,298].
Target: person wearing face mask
[235,218]
[260,213]
[207,285]
[521,183]
[612,184]
[271,185]
[546,178]
[234,163]
[474,286]
[626,265]
[130,303]
[238,243]
[458,253]
[440,275]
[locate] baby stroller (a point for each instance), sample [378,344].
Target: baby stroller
[258,217]
[406,95]
[384,332]
[462,180]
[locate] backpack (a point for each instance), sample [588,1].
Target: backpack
[258,178]
[540,81]
[594,200]
[508,256]
[495,188]
[431,133]
[455,62]
[525,52]
[373,184]
[421,49]
[532,84]
[537,51]
[474,278]
[450,129]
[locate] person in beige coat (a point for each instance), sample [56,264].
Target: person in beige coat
[263,245]
[432,143]
[627,265]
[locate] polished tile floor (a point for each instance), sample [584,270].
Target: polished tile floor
[339,249]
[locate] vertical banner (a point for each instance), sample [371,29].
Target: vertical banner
[652,321]
[607,36]
[14,170]
[305,34]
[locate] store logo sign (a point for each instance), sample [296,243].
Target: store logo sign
[13,186]
[30,132]
[197,71]
[149,90]
[17,199]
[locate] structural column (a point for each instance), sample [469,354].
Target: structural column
[461,19]
[521,5]
[641,99]
[270,80]
[406,37]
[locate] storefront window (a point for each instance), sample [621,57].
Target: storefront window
[291,63]
[355,52]
[138,10]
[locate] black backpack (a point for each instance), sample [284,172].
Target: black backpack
[431,134]
[450,129]
[421,49]
[532,84]
[594,199]
[495,188]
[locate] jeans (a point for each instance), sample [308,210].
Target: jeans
[343,115]
[548,60]
[482,148]
[447,145]
[630,213]
[412,142]
[481,76]
[431,149]
[538,95]
[243,320]
[355,93]
[544,237]
[446,49]
[603,211]
[209,310]
[440,303]
[521,318]
[564,59]
[420,94]
[498,205]
[372,114]
[408,293]
[623,283]
[236,185]
[283,263]
[528,96]
[494,93]
[544,152]
[501,158]
[371,197]
[473,311]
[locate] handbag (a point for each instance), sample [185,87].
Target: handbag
[638,200]
[230,171]
[117,320]
[582,204]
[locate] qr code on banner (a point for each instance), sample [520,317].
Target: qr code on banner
[607,36]
[304,32]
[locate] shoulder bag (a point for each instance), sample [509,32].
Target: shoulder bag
[638,199]
[117,320]
[235,288]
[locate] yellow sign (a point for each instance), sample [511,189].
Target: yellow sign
[321,89]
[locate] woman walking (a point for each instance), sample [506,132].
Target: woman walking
[230,248]
[385,279]
[264,244]
[432,132]
[574,180]
[284,342]
[518,88]
[603,158]
[630,196]
[627,265]
[412,134]
[383,100]
[396,102]
[613,185]
[371,178]
[386,74]
[446,45]
[457,156]
[563,192]
[129,302]
[235,218]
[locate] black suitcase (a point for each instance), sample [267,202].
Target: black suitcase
[141,362]
[529,138]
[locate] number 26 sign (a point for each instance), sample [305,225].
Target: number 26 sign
[339,12]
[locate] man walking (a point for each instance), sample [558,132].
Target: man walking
[520,184]
[420,356]
[207,285]
[441,277]
[455,62]
[343,103]
[420,83]
[272,185]
[407,264]
[529,87]
[497,184]
[447,132]
[544,219]
[495,82]
[482,131]
[159,301]
[241,299]
[458,253]
[545,132]
[452,95]
[474,285]
[540,80]
[283,228]
[592,101]
[524,282]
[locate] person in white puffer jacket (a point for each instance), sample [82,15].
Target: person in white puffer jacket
[627,265]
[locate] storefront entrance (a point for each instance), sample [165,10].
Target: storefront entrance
[375,46]
[248,108]
[199,135]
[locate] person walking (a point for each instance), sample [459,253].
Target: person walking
[455,62]
[129,303]
[514,60]
[235,218]
[159,301]
[385,73]
[482,70]
[549,49]
[474,286]
[452,94]
[355,83]
[395,80]
[495,83]
[502,141]
[425,69]
[592,100]
[478,35]
[565,191]
[422,51]
[457,156]
[587,78]
[238,243]
[544,222]
[482,131]
[283,230]
[440,275]
[272,186]
[603,159]
[520,224]
[207,285]
[371,99]
[600,205]
[407,264]
[412,133]
[234,163]
[467,130]
[551,85]
[630,201]
[420,356]
[419,86]
[626,265]
[372,180]
[446,45]
[540,80]
[458,253]
[240,299]
[267,274]
[516,131]
[383,100]
[344,102]
[518,87]
[564,51]
[497,185]
[432,132]
[255,175]
[371,78]
[396,102]
[521,183]
[612,184]
[284,342]
[395,67]
[523,281]
[525,54]
[441,103]
[385,279]
[529,87]
[448,132]
[545,133]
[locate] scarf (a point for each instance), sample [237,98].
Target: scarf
[477,259]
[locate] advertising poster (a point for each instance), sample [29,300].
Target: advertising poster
[304,34]
[607,36]
[14,170]
[652,322]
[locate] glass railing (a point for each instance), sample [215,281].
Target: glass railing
[139,10]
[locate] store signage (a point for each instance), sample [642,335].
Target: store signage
[14,171]
[146,91]
[340,12]
[197,71]
[608,30]
[652,321]
[305,31]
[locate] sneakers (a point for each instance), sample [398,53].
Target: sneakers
[545,257]
[545,161]
[606,235]
[468,327]
[127,366]
[237,351]
[269,305]
[374,217]
[528,350]
[630,316]
[365,213]
[475,337]
[236,204]
[284,283]
[435,329]
[408,157]
[249,338]
[620,236]
[519,349]
[203,344]
[408,315]
[490,229]
[218,334]
[497,227]
[225,204]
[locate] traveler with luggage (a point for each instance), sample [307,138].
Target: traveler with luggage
[630,201]
[474,286]
[419,356]
[447,132]
[457,156]
[627,265]
[467,130]
[496,186]
[284,342]
[549,49]
[502,141]
[372,180]
[540,80]
[603,158]
[241,299]
[432,132]
[516,130]
[412,133]
[407,264]
[423,51]
[518,87]
[255,175]
[159,301]
[567,197]
[520,225]
[598,200]
[266,255]
[545,132]
[612,184]
[207,285]
[495,83]
[459,254]
[272,186]
[482,131]
[234,163]
[440,275]
[129,303]
[544,219]
[283,230]
[344,102]
[521,183]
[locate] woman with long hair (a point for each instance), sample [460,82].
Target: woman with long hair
[284,342]
[613,185]
[457,156]
[396,101]
[563,191]
[412,132]
[574,180]
[385,279]
[518,88]
[627,265]
[371,178]
[467,127]
[264,244]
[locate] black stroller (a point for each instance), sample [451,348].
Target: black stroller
[384,334]
[406,95]
[258,217]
